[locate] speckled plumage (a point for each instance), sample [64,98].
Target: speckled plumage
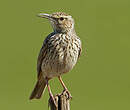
[59,52]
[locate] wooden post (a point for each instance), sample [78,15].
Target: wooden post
[62,102]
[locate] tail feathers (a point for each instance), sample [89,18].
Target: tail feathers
[38,90]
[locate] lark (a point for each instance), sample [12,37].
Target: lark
[59,53]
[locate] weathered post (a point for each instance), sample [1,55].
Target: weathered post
[62,101]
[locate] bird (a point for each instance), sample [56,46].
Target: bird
[59,53]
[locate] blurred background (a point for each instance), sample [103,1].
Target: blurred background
[101,78]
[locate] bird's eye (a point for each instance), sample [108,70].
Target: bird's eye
[61,18]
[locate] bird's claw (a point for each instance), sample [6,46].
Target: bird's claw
[53,100]
[69,96]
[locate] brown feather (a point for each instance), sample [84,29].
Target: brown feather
[38,90]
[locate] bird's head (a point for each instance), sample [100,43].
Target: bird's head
[61,22]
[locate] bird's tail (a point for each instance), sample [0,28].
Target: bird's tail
[38,90]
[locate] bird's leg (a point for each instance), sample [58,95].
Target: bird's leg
[65,88]
[50,93]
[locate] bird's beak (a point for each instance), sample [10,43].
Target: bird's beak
[47,16]
[44,15]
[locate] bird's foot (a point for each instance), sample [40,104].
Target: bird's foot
[53,100]
[68,94]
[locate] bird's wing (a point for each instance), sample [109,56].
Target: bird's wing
[80,51]
[41,56]
[43,53]
[80,47]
